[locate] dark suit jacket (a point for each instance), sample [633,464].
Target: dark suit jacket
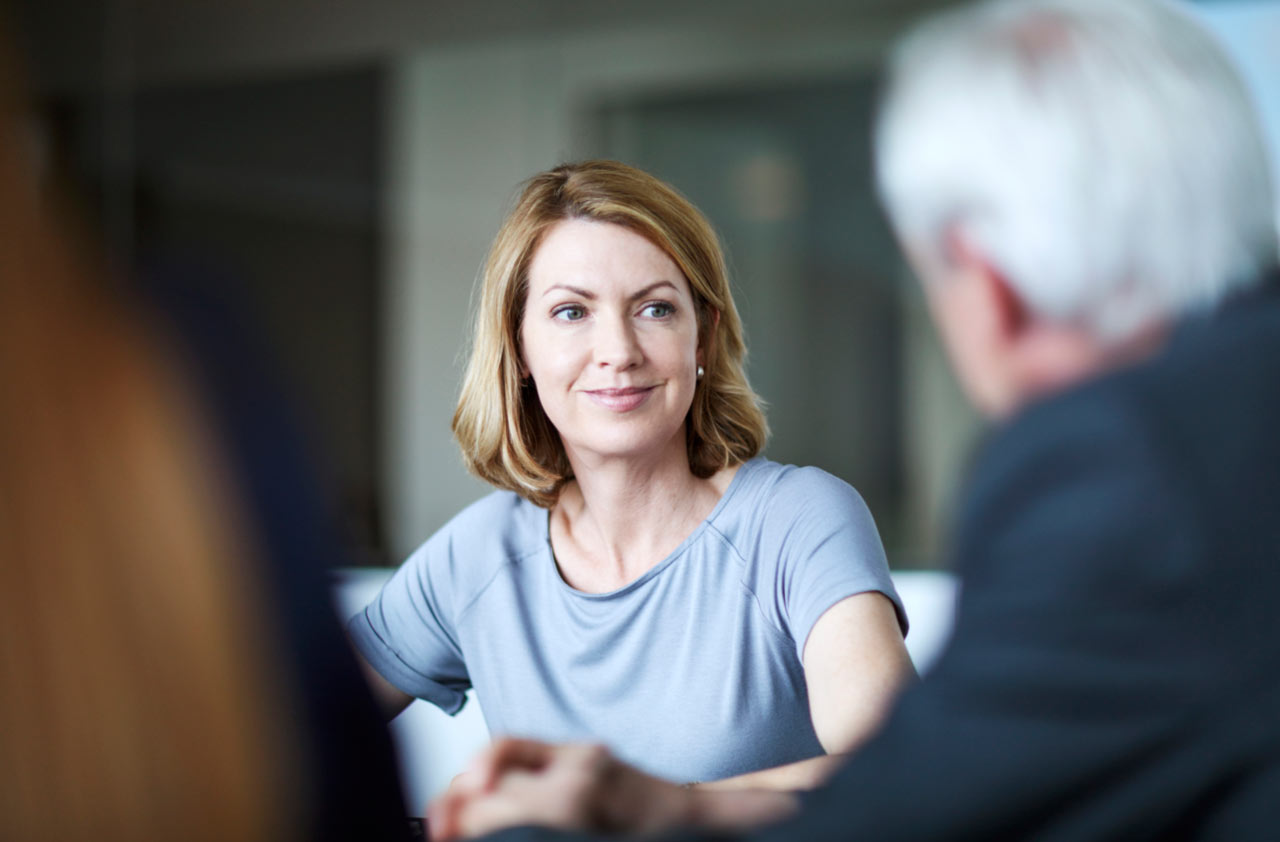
[1115,666]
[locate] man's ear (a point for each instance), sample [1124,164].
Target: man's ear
[1002,303]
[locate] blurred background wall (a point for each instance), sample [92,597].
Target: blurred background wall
[339,169]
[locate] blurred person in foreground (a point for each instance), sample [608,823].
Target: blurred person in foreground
[1083,188]
[170,664]
[642,577]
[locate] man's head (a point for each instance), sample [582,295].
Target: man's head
[1068,177]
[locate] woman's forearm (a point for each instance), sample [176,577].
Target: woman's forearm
[803,774]
[738,809]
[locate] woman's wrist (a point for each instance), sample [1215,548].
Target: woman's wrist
[743,809]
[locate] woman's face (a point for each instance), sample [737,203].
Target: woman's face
[610,338]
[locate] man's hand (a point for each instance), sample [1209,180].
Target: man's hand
[583,787]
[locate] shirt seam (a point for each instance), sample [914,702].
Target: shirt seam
[480,592]
[783,634]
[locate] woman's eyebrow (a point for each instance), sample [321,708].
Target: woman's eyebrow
[653,286]
[584,293]
[578,291]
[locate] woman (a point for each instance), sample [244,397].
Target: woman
[641,578]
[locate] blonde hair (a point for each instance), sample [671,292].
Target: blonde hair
[505,436]
[138,687]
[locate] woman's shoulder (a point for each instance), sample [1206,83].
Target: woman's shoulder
[770,505]
[768,486]
[785,517]
[504,510]
[497,529]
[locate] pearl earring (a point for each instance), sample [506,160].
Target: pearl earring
[701,371]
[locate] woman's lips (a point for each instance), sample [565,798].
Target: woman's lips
[620,400]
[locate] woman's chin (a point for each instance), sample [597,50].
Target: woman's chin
[631,446]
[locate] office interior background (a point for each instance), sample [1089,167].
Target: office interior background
[337,170]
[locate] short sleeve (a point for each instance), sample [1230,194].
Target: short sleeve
[819,545]
[407,633]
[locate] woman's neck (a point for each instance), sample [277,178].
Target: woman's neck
[620,517]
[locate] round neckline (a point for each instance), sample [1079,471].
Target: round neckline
[729,492]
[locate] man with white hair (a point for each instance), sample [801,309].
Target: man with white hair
[1083,188]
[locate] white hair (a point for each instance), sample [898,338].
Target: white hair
[1103,154]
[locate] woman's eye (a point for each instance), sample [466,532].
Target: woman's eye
[657,310]
[568,313]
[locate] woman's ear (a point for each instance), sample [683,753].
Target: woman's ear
[713,322]
[518,353]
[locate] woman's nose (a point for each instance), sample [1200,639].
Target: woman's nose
[617,345]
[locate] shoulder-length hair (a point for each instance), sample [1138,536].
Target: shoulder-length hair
[505,436]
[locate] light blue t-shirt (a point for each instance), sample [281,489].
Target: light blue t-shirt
[692,672]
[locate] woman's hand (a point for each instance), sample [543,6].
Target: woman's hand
[583,787]
[576,787]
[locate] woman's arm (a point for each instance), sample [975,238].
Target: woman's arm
[391,699]
[583,787]
[854,664]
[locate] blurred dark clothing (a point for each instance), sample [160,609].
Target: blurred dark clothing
[1115,667]
[356,791]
